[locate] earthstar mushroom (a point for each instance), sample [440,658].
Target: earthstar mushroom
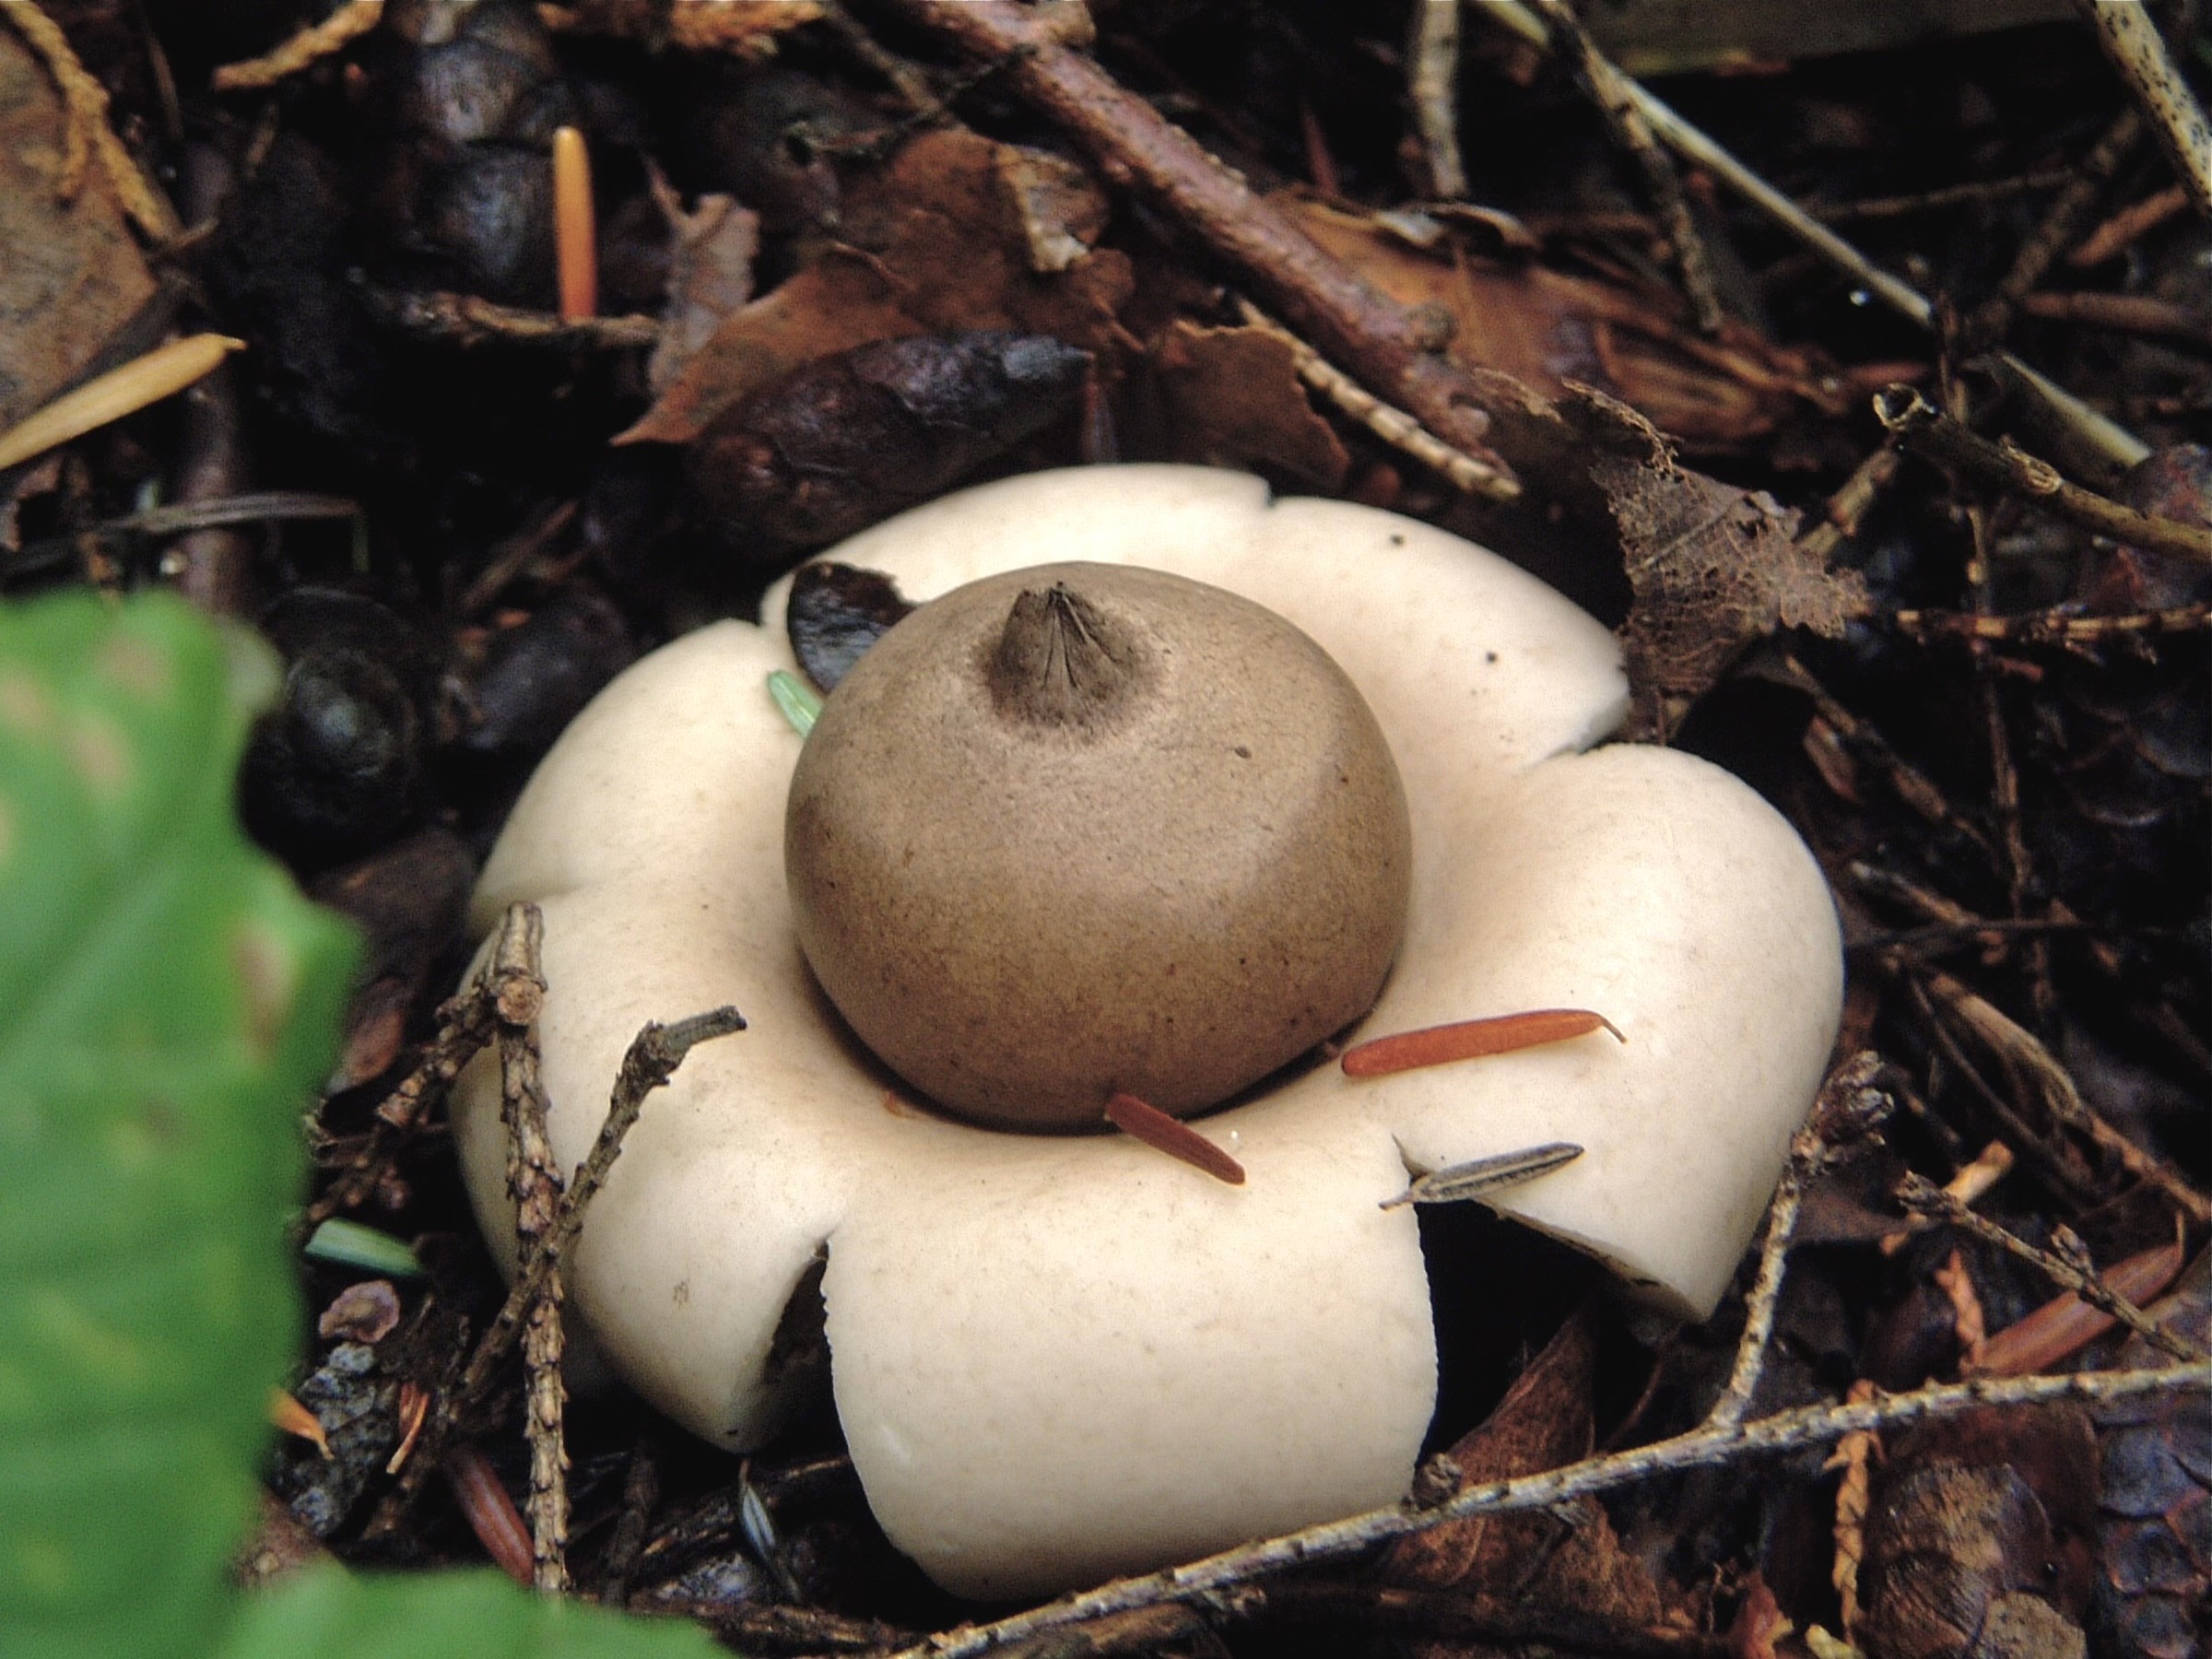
[1089,830]
[1057,1358]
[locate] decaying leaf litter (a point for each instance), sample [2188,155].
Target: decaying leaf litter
[1268,239]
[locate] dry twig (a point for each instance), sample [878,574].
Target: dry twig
[1854,1080]
[1394,427]
[2131,313]
[1940,199]
[2034,257]
[1799,1429]
[1379,341]
[468,319]
[353,19]
[89,137]
[2120,232]
[533,1181]
[1918,1193]
[650,1061]
[1693,144]
[2007,1037]
[1609,90]
[1432,87]
[2052,627]
[2129,35]
[1921,427]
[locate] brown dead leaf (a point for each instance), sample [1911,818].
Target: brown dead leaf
[1060,211]
[73,276]
[1544,1421]
[1548,328]
[1234,399]
[1713,568]
[933,244]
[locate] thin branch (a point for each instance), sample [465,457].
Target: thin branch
[1609,90]
[651,1059]
[353,19]
[2012,1042]
[1850,1094]
[2060,627]
[1918,1193]
[1378,340]
[86,134]
[1784,1431]
[2119,233]
[2130,313]
[2065,215]
[1940,199]
[1432,87]
[1394,427]
[533,1181]
[1698,148]
[2061,1164]
[2129,35]
[1921,427]
[1850,504]
[468,319]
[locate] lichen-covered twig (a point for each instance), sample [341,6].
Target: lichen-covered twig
[2052,627]
[1783,1431]
[1432,88]
[1394,427]
[1609,90]
[1918,1193]
[88,136]
[1921,427]
[533,1181]
[650,1061]
[1850,1101]
[2128,30]
[353,19]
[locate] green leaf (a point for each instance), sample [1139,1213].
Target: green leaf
[350,1244]
[475,1615]
[166,1004]
[801,703]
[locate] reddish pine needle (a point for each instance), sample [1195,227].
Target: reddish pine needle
[287,1414]
[1149,1123]
[491,1512]
[575,234]
[2064,1326]
[413,1411]
[1470,1039]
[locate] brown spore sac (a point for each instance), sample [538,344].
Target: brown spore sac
[1086,829]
